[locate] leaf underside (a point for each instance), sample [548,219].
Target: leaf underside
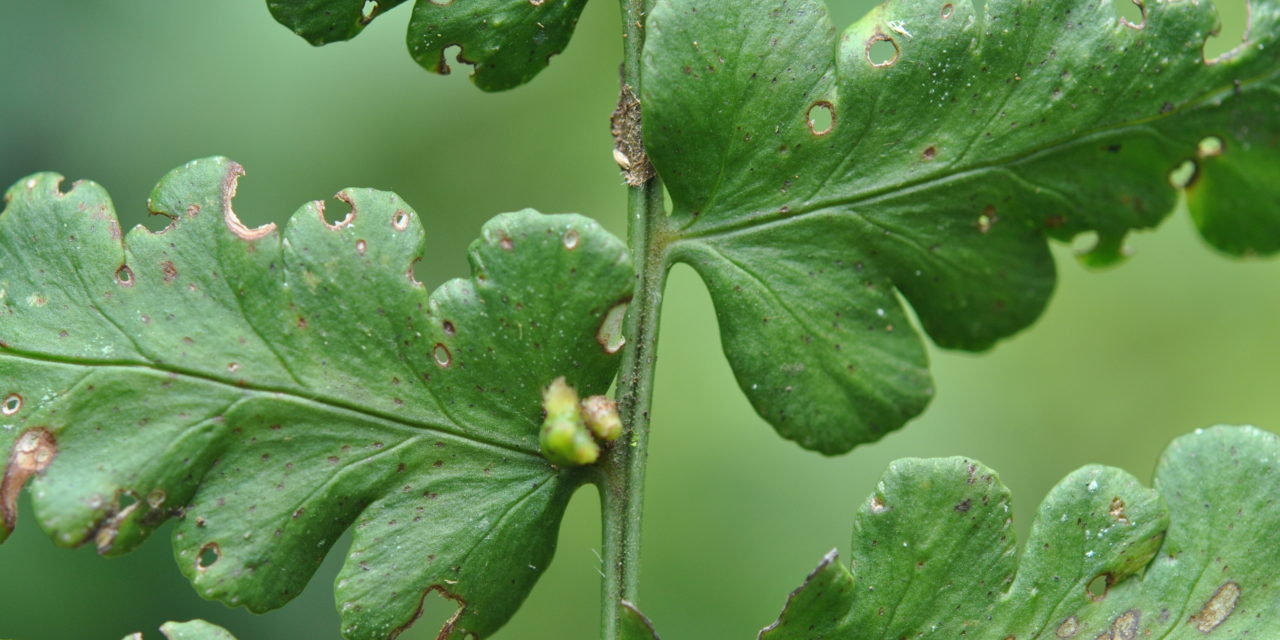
[634,624]
[1108,559]
[820,182]
[507,41]
[272,387]
[190,630]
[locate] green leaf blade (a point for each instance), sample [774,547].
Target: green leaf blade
[635,625]
[841,179]
[321,22]
[272,387]
[508,42]
[194,630]
[1107,557]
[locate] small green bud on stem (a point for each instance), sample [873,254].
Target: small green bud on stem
[601,416]
[574,429]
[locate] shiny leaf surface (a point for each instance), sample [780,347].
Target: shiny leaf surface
[272,387]
[506,41]
[923,155]
[1107,559]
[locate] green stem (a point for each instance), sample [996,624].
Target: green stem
[622,486]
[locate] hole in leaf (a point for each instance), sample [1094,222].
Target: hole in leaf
[821,118]
[400,220]
[126,499]
[1210,147]
[1099,586]
[209,555]
[124,276]
[11,404]
[1084,242]
[948,10]
[454,51]
[438,609]
[361,246]
[442,355]
[571,239]
[882,51]
[343,204]
[1131,13]
[1234,20]
[1184,175]
[415,272]
[369,10]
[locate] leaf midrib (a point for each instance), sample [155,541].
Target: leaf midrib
[750,221]
[327,404]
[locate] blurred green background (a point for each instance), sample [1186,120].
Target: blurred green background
[121,92]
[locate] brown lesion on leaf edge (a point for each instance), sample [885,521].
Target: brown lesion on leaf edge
[450,625]
[32,453]
[108,527]
[229,184]
[346,221]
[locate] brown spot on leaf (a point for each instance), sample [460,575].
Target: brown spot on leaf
[877,504]
[1217,608]
[32,453]
[1125,626]
[609,334]
[105,537]
[1117,510]
[170,271]
[1069,628]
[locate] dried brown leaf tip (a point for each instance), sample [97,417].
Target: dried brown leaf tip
[32,453]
